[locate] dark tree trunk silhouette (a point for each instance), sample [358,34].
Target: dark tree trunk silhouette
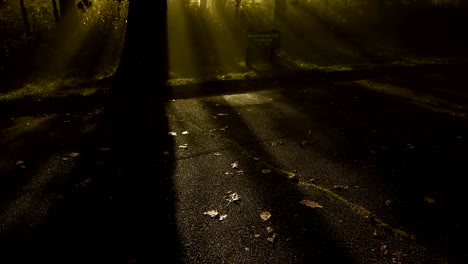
[238,2]
[67,8]
[56,12]
[24,14]
[140,136]
[143,64]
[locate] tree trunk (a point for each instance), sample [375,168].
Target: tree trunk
[56,12]
[238,2]
[67,10]
[24,14]
[144,61]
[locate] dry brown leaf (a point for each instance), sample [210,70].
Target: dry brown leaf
[211,213]
[383,249]
[429,200]
[222,217]
[232,197]
[272,238]
[265,215]
[266,171]
[311,204]
[269,229]
[73,154]
[183,146]
[105,149]
[235,165]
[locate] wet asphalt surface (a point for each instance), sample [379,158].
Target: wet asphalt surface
[358,167]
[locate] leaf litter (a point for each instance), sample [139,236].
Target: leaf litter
[211,213]
[183,146]
[235,165]
[232,197]
[265,215]
[429,200]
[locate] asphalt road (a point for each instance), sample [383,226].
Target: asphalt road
[359,167]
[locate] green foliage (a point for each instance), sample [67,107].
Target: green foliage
[101,25]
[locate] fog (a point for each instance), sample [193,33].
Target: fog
[210,37]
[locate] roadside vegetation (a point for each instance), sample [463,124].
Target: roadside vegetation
[58,48]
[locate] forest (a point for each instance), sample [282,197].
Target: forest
[83,39]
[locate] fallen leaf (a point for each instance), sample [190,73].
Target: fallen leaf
[272,238]
[265,215]
[383,249]
[217,154]
[266,171]
[65,158]
[269,229]
[105,149]
[185,133]
[311,204]
[172,133]
[257,235]
[73,154]
[183,146]
[256,159]
[232,197]
[211,213]
[19,162]
[429,200]
[222,217]
[85,183]
[235,165]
